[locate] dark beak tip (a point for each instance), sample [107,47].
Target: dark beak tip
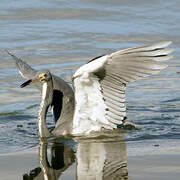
[26,83]
[21,86]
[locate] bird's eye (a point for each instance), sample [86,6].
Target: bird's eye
[43,76]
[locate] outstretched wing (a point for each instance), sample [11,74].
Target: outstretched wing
[100,84]
[25,70]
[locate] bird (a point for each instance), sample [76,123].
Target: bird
[96,99]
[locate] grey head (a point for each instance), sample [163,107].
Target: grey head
[41,76]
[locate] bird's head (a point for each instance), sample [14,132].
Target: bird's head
[41,76]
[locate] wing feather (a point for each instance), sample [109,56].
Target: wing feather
[150,53]
[114,106]
[114,121]
[112,85]
[117,69]
[25,70]
[113,95]
[150,47]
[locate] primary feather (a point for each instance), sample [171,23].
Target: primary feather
[101,83]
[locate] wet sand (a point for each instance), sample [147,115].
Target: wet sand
[14,165]
[157,167]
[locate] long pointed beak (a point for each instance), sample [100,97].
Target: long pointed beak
[28,82]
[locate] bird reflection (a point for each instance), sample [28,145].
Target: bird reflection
[61,157]
[102,158]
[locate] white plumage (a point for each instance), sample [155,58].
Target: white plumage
[100,85]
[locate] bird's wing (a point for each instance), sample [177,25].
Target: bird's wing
[100,84]
[25,70]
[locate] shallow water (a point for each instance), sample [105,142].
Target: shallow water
[61,36]
[92,158]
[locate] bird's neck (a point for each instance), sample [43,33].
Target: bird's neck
[47,96]
[47,171]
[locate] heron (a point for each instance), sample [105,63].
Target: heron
[96,101]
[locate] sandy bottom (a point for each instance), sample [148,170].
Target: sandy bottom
[156,167]
[148,167]
[14,165]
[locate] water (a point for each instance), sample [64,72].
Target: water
[92,159]
[62,35]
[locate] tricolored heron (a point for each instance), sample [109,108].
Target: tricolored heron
[97,99]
